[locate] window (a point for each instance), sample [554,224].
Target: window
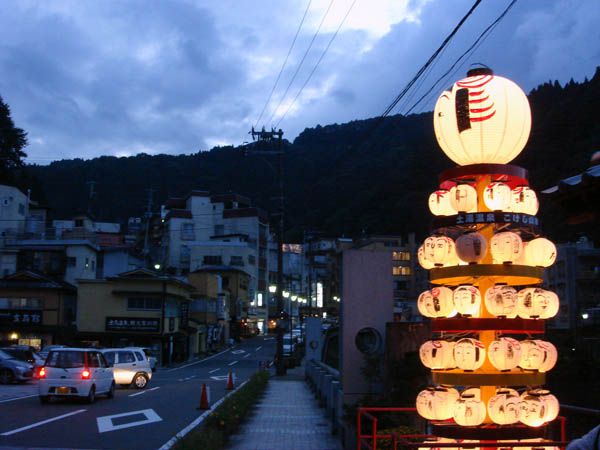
[79,223]
[21,209]
[236,261]
[213,260]
[110,357]
[65,359]
[401,256]
[126,357]
[400,270]
[93,359]
[219,230]
[144,303]
[187,231]
[87,262]
[139,356]
[251,259]
[184,254]
[93,264]
[71,261]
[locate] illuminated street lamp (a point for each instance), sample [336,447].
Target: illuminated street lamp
[272,288]
[286,294]
[585,316]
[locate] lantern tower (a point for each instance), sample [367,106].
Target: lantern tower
[486,258]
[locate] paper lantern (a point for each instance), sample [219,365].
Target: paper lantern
[540,252]
[532,410]
[471,247]
[436,403]
[506,247]
[436,303]
[467,300]
[497,196]
[439,250]
[552,405]
[469,354]
[524,200]
[482,119]
[463,198]
[537,355]
[439,203]
[468,410]
[437,355]
[503,408]
[425,263]
[505,353]
[501,301]
[537,303]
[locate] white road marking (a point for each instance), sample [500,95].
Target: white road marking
[246,355]
[232,363]
[198,362]
[137,393]
[17,398]
[105,423]
[238,352]
[214,370]
[43,422]
[219,377]
[157,387]
[258,348]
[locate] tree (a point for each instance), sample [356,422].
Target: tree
[12,142]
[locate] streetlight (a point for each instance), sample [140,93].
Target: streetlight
[585,316]
[272,289]
[157,266]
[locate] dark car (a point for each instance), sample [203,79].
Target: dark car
[12,369]
[26,354]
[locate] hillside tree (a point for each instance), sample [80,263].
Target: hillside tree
[12,142]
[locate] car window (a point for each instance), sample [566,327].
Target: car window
[126,357]
[65,360]
[4,355]
[110,357]
[93,360]
[139,356]
[103,362]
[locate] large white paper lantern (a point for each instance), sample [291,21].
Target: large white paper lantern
[506,247]
[497,196]
[482,119]
[467,300]
[469,354]
[469,410]
[532,409]
[537,303]
[436,303]
[552,405]
[439,250]
[439,203]
[463,198]
[503,408]
[436,403]
[425,263]
[501,301]
[540,252]
[524,200]
[471,247]
[538,355]
[437,355]
[505,353]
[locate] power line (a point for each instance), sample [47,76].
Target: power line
[302,61]
[283,65]
[317,64]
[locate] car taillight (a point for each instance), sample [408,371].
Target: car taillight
[42,373]
[85,375]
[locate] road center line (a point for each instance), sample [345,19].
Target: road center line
[137,393]
[246,355]
[214,370]
[17,398]
[258,348]
[232,363]
[43,422]
[198,362]
[154,388]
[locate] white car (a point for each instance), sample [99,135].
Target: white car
[75,372]
[130,366]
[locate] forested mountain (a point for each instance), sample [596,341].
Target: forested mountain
[340,179]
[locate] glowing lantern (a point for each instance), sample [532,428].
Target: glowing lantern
[423,403]
[483,119]
[524,200]
[469,354]
[506,247]
[467,300]
[537,303]
[505,353]
[439,250]
[532,410]
[501,301]
[425,263]
[469,410]
[439,203]
[436,303]
[497,196]
[437,403]
[463,198]
[503,408]
[540,252]
[437,354]
[552,405]
[538,355]
[471,247]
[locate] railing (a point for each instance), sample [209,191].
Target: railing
[325,383]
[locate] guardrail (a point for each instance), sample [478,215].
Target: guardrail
[324,381]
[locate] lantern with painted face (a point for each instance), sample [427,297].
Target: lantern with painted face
[524,200]
[439,203]
[506,247]
[463,198]
[552,405]
[483,119]
[440,250]
[436,303]
[540,252]
[471,247]
[469,411]
[503,408]
[532,409]
[467,300]
[497,196]
[425,263]
[505,353]
[501,301]
[537,303]
[437,403]
[538,355]
[469,354]
[437,355]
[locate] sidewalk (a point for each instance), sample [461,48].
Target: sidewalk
[287,418]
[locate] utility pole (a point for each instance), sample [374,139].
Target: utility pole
[270,138]
[148,215]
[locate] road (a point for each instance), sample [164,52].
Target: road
[146,419]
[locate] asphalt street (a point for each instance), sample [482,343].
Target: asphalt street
[133,419]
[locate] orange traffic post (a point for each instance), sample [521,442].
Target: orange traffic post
[230,385]
[204,398]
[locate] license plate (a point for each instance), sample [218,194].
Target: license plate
[63,390]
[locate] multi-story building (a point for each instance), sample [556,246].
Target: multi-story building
[14,210]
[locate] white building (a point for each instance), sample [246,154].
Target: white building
[14,209]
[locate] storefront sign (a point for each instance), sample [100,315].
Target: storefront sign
[497,217]
[20,317]
[132,324]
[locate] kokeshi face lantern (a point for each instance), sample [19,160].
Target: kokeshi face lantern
[497,196]
[425,263]
[540,252]
[503,408]
[538,355]
[501,301]
[506,247]
[439,203]
[463,198]
[471,247]
[505,353]
[467,300]
[532,410]
[484,118]
[552,405]
[436,403]
[437,355]
[537,303]
[440,250]
[469,411]
[436,303]
[469,354]
[524,200]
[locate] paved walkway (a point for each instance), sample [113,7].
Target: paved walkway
[287,418]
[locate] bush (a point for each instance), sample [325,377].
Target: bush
[225,420]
